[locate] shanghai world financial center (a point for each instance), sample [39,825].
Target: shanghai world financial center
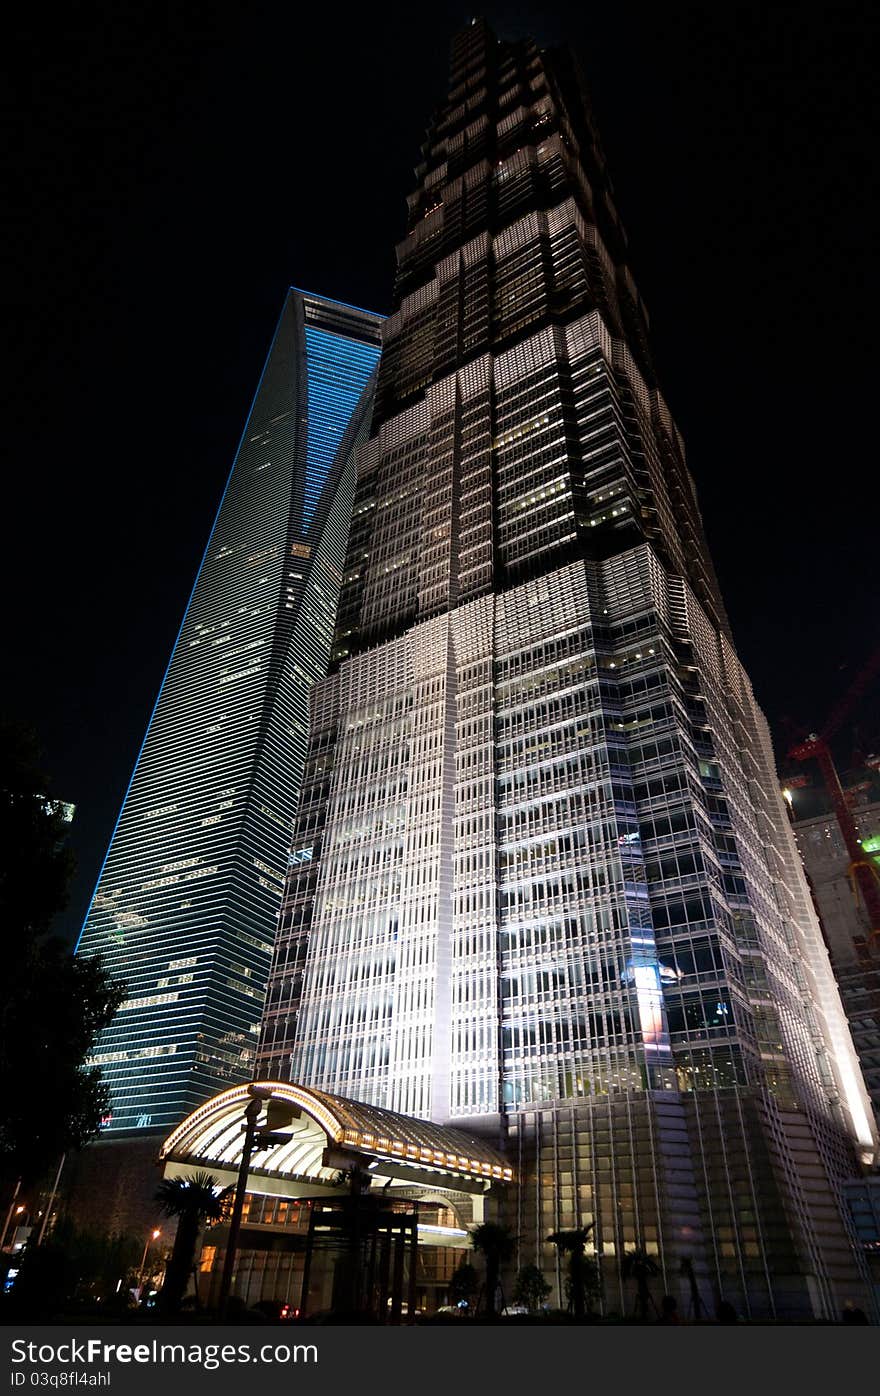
[541,884]
[186,903]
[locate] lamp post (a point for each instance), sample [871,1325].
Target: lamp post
[153,1236]
[259,1096]
[50,1204]
[10,1214]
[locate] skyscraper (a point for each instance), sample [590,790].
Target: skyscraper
[541,883]
[846,924]
[186,905]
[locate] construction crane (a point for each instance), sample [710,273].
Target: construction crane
[862,868]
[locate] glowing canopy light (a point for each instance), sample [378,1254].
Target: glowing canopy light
[212,1137]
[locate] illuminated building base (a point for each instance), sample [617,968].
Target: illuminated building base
[541,874]
[353,1208]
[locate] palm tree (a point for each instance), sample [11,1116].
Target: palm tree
[581,1271]
[195,1200]
[638,1265]
[495,1243]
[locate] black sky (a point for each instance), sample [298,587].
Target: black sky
[173,170]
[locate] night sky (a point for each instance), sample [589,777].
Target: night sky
[173,171]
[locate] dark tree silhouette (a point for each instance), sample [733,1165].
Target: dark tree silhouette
[531,1288]
[35,865]
[73,1269]
[196,1200]
[464,1284]
[495,1244]
[582,1272]
[52,1004]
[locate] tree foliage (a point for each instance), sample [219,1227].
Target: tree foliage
[52,1004]
[35,865]
[74,1269]
[531,1289]
[463,1284]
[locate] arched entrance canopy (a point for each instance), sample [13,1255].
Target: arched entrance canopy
[305,1160]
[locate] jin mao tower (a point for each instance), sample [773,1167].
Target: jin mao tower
[541,882]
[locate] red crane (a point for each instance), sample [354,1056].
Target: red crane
[862,868]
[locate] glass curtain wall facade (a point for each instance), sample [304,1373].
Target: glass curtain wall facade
[541,876]
[186,906]
[847,927]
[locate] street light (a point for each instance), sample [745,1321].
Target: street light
[259,1095]
[154,1236]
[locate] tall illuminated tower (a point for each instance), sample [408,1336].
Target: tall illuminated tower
[541,877]
[186,905]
